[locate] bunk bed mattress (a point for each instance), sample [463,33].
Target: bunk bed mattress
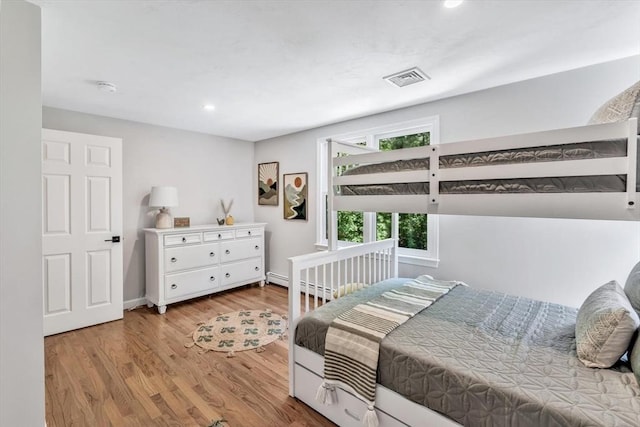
[486,358]
[573,151]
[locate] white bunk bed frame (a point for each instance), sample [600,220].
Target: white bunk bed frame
[315,278]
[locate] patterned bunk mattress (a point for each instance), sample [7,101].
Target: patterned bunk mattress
[573,151]
[485,358]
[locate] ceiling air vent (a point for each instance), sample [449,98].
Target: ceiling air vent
[407,77]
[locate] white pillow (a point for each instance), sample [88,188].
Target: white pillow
[621,107]
[605,325]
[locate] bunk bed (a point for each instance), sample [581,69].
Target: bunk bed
[507,360]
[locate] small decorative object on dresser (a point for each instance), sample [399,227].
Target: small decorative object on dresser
[184,264]
[181,222]
[163,198]
[295,196]
[226,209]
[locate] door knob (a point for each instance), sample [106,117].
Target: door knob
[114,239]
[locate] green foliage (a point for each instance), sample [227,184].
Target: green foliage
[350,226]
[412,228]
[406,141]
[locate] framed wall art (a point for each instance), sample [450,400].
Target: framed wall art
[295,195]
[268,184]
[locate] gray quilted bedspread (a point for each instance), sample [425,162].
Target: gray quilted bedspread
[489,359]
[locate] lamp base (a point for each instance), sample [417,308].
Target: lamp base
[163,219]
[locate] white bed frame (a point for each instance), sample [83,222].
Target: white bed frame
[315,277]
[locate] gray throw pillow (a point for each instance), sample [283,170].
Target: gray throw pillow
[632,287]
[634,358]
[605,325]
[619,108]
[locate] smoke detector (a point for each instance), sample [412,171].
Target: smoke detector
[106,87]
[407,77]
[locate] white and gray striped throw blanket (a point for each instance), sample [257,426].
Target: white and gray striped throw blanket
[353,339]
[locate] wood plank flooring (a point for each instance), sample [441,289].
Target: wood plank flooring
[137,371]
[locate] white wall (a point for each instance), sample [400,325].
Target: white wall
[21,336]
[555,260]
[204,168]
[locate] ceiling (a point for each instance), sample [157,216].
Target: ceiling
[276,67]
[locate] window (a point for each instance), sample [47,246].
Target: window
[416,233]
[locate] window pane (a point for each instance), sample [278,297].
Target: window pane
[350,226]
[405,141]
[383,225]
[412,231]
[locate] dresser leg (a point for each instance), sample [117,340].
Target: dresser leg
[262,283]
[149,304]
[162,309]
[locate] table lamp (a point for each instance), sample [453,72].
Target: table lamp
[163,198]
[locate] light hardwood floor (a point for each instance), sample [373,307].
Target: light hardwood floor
[137,371]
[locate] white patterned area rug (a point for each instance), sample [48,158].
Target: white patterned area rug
[239,331]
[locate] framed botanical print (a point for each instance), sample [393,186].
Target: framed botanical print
[295,195]
[268,184]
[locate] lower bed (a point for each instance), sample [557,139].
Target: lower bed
[486,358]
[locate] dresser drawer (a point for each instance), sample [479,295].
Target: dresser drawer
[249,232]
[180,284]
[182,239]
[240,249]
[241,271]
[187,257]
[212,236]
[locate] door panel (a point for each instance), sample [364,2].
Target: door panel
[57,283]
[98,204]
[82,210]
[98,277]
[56,201]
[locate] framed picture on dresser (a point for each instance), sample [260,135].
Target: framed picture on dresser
[268,184]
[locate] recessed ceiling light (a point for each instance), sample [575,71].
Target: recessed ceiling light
[452,3]
[209,107]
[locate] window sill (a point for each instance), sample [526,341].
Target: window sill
[321,246]
[416,260]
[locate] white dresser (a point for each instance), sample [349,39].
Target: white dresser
[184,263]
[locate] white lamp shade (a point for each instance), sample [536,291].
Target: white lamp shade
[163,197]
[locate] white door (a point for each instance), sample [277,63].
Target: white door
[81,230]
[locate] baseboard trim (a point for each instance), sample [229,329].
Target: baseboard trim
[133,303]
[278,279]
[307,287]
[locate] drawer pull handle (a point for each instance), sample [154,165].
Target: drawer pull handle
[174,259]
[212,254]
[227,275]
[184,240]
[257,268]
[349,413]
[249,232]
[219,236]
[212,279]
[174,286]
[257,247]
[227,252]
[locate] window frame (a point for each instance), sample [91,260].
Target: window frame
[371,137]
